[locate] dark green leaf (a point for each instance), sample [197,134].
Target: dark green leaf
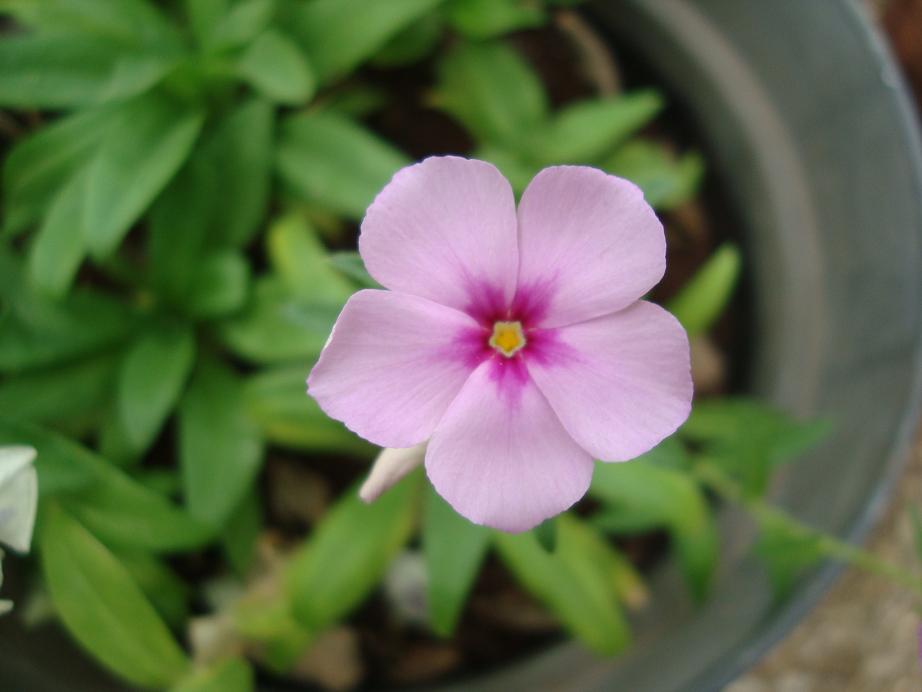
[332,161]
[666,181]
[58,472]
[349,551]
[151,379]
[205,15]
[228,675]
[141,152]
[303,263]
[275,327]
[337,35]
[748,439]
[276,67]
[278,403]
[220,286]
[546,534]
[242,532]
[166,592]
[646,495]
[482,19]
[40,164]
[412,44]
[351,265]
[220,450]
[703,299]
[59,246]
[239,26]
[454,549]
[576,582]
[587,130]
[102,606]
[491,91]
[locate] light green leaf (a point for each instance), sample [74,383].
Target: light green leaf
[492,91]
[275,327]
[482,19]
[454,549]
[141,152]
[53,71]
[228,675]
[652,495]
[350,549]
[278,403]
[587,130]
[134,74]
[220,286]
[337,35]
[220,450]
[303,263]
[577,582]
[275,67]
[350,264]
[748,439]
[241,154]
[703,299]
[666,181]
[787,549]
[331,161]
[102,606]
[59,247]
[41,163]
[151,379]
[239,26]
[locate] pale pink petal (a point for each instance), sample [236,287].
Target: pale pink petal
[393,364]
[589,242]
[390,466]
[500,457]
[619,383]
[444,229]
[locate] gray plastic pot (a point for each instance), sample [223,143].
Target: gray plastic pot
[812,135]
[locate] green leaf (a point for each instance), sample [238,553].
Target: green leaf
[338,35]
[103,608]
[228,675]
[546,534]
[36,396]
[515,166]
[204,15]
[329,160]
[748,439]
[412,44]
[576,582]
[240,152]
[703,299]
[666,181]
[151,379]
[303,263]
[787,549]
[245,21]
[454,549]
[275,327]
[587,130]
[482,19]
[350,264]
[242,532]
[349,551]
[492,91]
[220,286]
[59,247]
[648,495]
[52,71]
[275,67]
[277,402]
[220,450]
[41,163]
[141,152]
[163,588]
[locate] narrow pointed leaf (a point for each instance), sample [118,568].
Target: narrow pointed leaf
[704,298]
[276,68]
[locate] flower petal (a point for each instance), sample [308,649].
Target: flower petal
[589,241]
[621,383]
[444,229]
[390,466]
[393,364]
[18,497]
[500,457]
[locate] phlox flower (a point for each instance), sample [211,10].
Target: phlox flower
[18,502]
[513,342]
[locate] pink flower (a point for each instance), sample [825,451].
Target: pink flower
[514,342]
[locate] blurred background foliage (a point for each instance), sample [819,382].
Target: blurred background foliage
[176,176]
